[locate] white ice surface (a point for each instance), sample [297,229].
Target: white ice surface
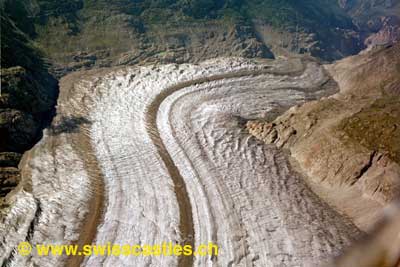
[243,195]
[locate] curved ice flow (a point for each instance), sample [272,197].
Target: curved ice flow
[60,184]
[141,206]
[259,211]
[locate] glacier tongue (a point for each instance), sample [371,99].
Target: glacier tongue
[175,165]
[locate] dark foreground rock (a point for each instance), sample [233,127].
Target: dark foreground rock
[27,100]
[9,179]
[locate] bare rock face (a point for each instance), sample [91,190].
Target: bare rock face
[350,140]
[9,159]
[378,20]
[18,130]
[22,90]
[27,98]
[186,43]
[331,154]
[9,179]
[197,44]
[388,33]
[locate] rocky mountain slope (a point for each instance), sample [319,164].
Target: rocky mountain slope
[378,19]
[27,99]
[349,142]
[78,34]
[348,146]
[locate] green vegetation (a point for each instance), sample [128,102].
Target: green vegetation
[26,83]
[28,91]
[306,13]
[64,28]
[16,48]
[377,127]
[74,14]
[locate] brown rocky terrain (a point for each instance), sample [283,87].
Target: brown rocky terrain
[83,34]
[348,145]
[378,20]
[27,98]
[388,33]
[176,44]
